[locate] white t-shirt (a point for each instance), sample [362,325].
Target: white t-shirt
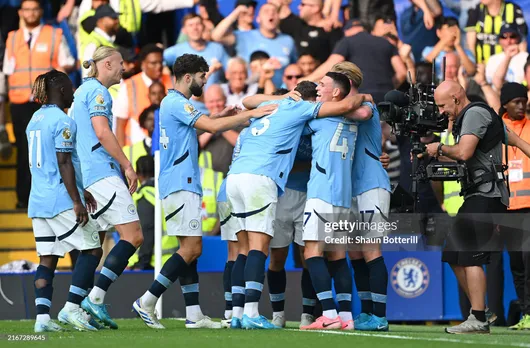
[515,71]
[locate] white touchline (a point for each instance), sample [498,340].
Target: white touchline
[437,339]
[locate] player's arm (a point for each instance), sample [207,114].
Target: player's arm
[222,124]
[364,112]
[66,168]
[345,107]
[253,101]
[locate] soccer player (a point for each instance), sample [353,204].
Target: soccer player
[258,175]
[329,200]
[101,158]
[60,220]
[371,201]
[180,186]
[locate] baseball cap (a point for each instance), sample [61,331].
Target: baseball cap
[509,28]
[105,11]
[352,23]
[252,3]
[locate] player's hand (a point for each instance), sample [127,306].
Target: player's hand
[294,95]
[230,110]
[367,98]
[264,110]
[132,178]
[90,202]
[385,160]
[80,213]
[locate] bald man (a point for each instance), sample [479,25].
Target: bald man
[479,136]
[452,64]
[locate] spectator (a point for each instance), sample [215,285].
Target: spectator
[449,34]
[29,51]
[365,9]
[214,53]
[307,63]
[417,25]
[291,75]
[452,65]
[262,71]
[142,147]
[507,66]
[308,30]
[130,66]
[133,96]
[237,89]
[379,61]
[157,92]
[245,20]
[483,36]
[266,38]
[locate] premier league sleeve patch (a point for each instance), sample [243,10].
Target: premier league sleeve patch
[100,99]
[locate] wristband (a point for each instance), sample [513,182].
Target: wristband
[440,149]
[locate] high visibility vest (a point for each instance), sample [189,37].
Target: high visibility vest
[130,15]
[169,243]
[138,95]
[31,63]
[83,35]
[517,162]
[97,39]
[211,184]
[134,152]
[452,199]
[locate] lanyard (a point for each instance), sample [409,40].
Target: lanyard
[514,148]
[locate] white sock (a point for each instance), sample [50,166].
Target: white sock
[282,313]
[97,295]
[237,312]
[43,318]
[194,313]
[148,300]
[251,309]
[330,313]
[345,316]
[228,314]
[69,306]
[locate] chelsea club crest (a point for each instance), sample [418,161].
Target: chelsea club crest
[410,277]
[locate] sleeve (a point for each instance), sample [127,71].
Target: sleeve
[520,21]
[472,18]
[121,106]
[158,6]
[64,136]
[65,57]
[186,113]
[100,103]
[476,122]
[426,51]
[170,55]
[309,110]
[343,48]
[9,64]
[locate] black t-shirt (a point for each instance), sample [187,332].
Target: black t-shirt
[373,56]
[309,39]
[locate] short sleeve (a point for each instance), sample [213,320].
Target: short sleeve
[343,48]
[472,18]
[100,103]
[476,122]
[170,56]
[426,51]
[308,110]
[64,136]
[185,112]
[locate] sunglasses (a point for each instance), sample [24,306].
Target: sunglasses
[302,4]
[290,77]
[506,37]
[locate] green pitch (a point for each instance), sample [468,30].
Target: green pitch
[133,333]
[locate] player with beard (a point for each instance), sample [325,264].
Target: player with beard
[180,186]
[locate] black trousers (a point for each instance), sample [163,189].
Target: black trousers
[21,115]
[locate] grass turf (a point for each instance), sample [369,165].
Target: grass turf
[133,333]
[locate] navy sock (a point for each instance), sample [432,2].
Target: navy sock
[309,297]
[361,274]
[254,275]
[378,285]
[43,295]
[321,281]
[342,277]
[82,277]
[115,263]
[277,283]
[189,283]
[238,281]
[169,273]
[227,284]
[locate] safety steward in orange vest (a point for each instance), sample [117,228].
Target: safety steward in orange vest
[30,51]
[133,96]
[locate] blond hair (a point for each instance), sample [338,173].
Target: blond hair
[352,72]
[102,52]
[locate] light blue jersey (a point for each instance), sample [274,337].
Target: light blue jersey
[368,172]
[92,99]
[282,47]
[49,131]
[271,141]
[179,149]
[298,180]
[221,196]
[213,51]
[333,143]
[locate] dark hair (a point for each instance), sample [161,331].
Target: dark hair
[145,166]
[449,21]
[341,81]
[281,91]
[157,83]
[257,55]
[37,1]
[307,89]
[48,83]
[148,49]
[143,116]
[189,64]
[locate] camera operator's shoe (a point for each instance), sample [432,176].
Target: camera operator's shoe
[470,326]
[524,324]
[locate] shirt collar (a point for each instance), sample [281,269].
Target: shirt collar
[244,91]
[35,31]
[104,34]
[148,82]
[177,92]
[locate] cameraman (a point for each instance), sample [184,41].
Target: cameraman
[479,134]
